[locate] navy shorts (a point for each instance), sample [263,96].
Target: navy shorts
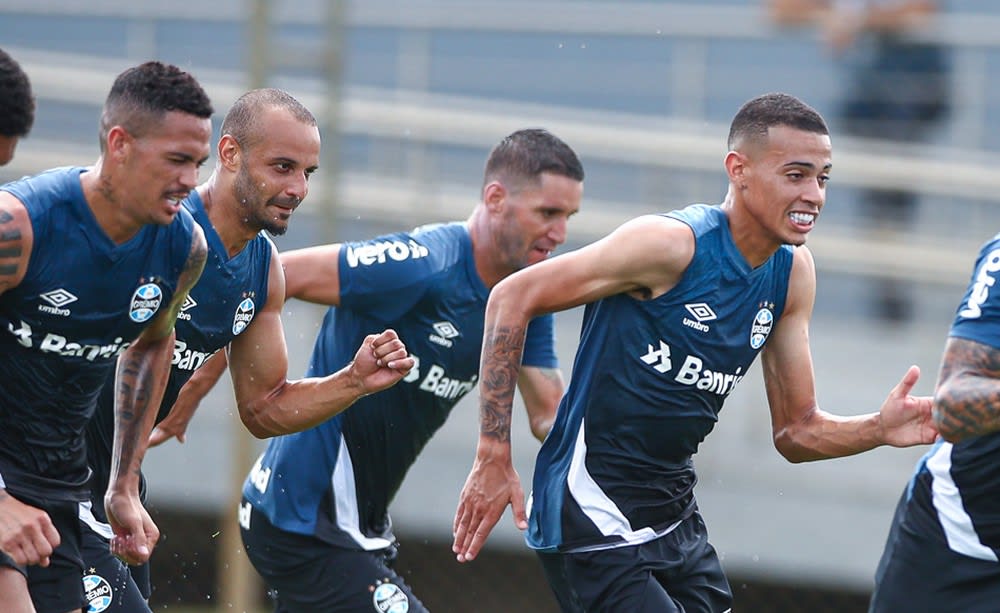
[919,572]
[58,587]
[110,584]
[307,575]
[678,572]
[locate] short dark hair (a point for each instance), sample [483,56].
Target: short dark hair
[759,114]
[523,156]
[242,119]
[17,104]
[143,94]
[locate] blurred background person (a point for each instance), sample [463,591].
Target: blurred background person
[897,89]
[645,91]
[17,106]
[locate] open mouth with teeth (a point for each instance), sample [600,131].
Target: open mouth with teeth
[174,201]
[803,220]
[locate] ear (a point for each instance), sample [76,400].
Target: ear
[737,167]
[229,153]
[494,194]
[119,143]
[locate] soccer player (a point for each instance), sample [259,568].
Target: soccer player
[943,549]
[92,260]
[678,307]
[315,516]
[269,147]
[17,106]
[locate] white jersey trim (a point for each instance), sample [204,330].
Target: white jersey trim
[345,497]
[947,499]
[600,509]
[86,513]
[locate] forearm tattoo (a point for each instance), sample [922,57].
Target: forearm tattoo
[133,402]
[967,402]
[11,249]
[501,363]
[138,377]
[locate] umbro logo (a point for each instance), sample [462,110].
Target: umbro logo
[189,303]
[444,331]
[701,313]
[57,299]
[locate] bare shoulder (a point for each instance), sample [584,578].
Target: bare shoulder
[657,235]
[802,282]
[652,252]
[199,246]
[16,239]
[195,264]
[275,281]
[803,257]
[12,211]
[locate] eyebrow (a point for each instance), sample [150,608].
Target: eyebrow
[187,157]
[808,165]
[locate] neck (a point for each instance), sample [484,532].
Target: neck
[484,249]
[223,211]
[105,204]
[752,244]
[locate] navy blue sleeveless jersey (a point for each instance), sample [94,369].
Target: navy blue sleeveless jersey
[335,481]
[82,301]
[220,306]
[648,383]
[956,486]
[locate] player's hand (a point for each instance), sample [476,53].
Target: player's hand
[189,397]
[175,424]
[492,485]
[26,533]
[135,534]
[381,361]
[164,431]
[907,420]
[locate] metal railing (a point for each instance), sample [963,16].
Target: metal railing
[422,118]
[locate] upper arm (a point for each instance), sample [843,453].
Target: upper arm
[787,360]
[258,356]
[967,395]
[541,389]
[647,255]
[16,240]
[313,274]
[163,324]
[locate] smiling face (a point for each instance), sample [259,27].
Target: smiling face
[153,172]
[530,221]
[781,180]
[274,170]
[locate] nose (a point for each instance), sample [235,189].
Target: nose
[298,188]
[189,178]
[815,193]
[557,232]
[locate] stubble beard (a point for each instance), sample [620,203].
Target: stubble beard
[251,205]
